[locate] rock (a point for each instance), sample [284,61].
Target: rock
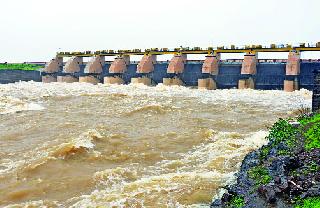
[269,193]
[288,176]
[216,203]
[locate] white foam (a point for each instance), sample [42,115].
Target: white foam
[279,100]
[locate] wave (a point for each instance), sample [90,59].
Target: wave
[10,105]
[39,204]
[38,91]
[84,143]
[166,190]
[155,109]
[193,179]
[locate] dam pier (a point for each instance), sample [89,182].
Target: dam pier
[211,73]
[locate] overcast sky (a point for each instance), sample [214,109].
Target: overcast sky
[34,30]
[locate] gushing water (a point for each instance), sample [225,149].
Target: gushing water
[83,145]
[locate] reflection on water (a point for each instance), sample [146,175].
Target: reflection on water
[83,145]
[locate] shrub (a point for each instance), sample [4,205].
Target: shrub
[237,201]
[313,202]
[260,175]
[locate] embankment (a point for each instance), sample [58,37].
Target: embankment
[283,173]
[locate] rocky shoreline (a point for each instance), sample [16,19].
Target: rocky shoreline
[284,173]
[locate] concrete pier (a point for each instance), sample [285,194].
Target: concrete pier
[176,66]
[249,68]
[93,69]
[211,64]
[95,65]
[211,67]
[146,65]
[54,65]
[48,78]
[207,83]
[141,80]
[113,80]
[72,66]
[51,69]
[67,79]
[246,83]
[172,81]
[118,66]
[291,82]
[89,79]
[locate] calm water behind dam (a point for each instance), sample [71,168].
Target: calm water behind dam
[83,145]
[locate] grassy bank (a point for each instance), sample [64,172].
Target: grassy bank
[284,173]
[26,67]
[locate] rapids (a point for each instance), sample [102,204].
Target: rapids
[83,145]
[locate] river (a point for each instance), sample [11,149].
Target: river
[83,145]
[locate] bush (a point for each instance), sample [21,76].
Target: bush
[260,175]
[312,132]
[313,202]
[237,202]
[282,131]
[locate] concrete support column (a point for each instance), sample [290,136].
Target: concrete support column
[54,65]
[248,70]
[49,78]
[113,80]
[211,64]
[118,66]
[95,65]
[176,66]
[145,66]
[89,79]
[67,79]
[72,66]
[209,67]
[291,82]
[207,83]
[51,69]
[172,81]
[93,68]
[141,80]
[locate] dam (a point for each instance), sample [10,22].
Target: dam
[211,73]
[80,144]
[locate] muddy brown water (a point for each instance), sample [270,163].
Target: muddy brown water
[83,145]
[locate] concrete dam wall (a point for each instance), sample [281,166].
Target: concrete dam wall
[269,76]
[10,76]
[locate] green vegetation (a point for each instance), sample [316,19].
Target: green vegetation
[312,202]
[312,132]
[312,137]
[314,167]
[282,131]
[260,175]
[26,67]
[264,152]
[237,202]
[307,119]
